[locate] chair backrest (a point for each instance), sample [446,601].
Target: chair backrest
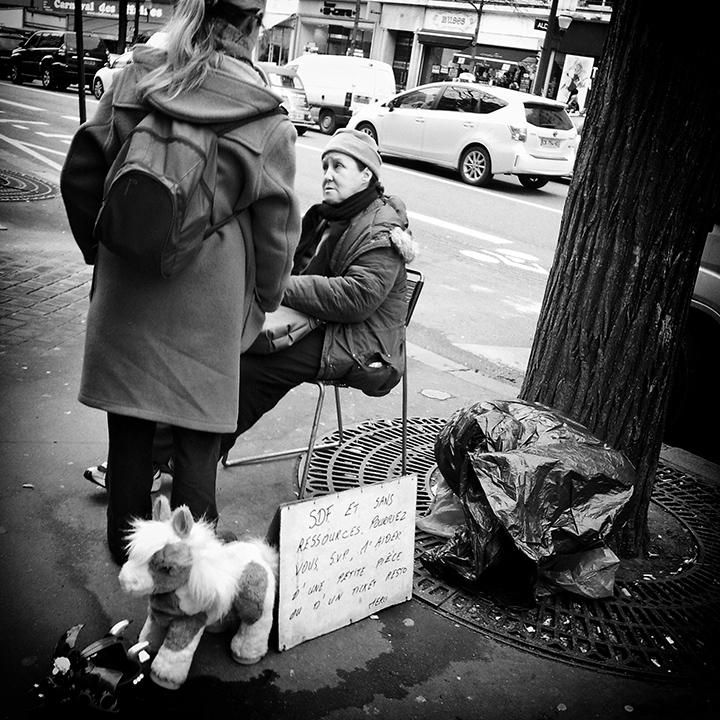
[415,282]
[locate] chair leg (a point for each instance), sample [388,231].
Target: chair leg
[280,454]
[404,412]
[313,436]
[338,410]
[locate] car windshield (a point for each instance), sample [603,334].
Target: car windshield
[287,81]
[547,116]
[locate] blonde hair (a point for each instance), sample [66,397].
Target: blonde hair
[192,49]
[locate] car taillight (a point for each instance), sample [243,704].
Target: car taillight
[348,99]
[518,133]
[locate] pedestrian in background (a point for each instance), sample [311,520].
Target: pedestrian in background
[167,349]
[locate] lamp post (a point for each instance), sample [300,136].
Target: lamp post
[555,26]
[356,24]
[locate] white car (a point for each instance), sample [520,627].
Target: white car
[480,130]
[104,76]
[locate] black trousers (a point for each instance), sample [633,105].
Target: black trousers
[130,473]
[266,379]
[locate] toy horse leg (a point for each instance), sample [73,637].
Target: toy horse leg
[152,632]
[254,605]
[171,665]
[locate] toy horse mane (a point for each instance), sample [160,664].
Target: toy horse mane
[211,567]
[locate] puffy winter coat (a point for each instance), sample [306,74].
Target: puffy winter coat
[168,349]
[359,291]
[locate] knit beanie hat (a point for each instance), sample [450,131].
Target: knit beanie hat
[358,145]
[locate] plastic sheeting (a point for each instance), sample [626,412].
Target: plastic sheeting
[529,479]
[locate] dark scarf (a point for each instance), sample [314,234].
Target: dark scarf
[338,218]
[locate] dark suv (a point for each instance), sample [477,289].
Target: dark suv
[52,58]
[9,40]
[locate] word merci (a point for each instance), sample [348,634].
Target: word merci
[344,556]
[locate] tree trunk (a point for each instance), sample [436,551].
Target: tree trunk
[631,237]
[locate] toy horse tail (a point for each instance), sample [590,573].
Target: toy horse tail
[269,554]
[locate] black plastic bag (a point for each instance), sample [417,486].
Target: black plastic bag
[525,473]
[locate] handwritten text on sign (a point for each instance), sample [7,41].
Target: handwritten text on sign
[344,556]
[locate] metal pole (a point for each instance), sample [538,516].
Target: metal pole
[356,23]
[81,60]
[542,70]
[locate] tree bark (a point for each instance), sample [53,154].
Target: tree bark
[631,237]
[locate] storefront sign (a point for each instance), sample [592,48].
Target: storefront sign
[337,9]
[450,21]
[344,556]
[541,24]
[95,8]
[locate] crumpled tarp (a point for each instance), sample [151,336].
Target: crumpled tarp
[530,479]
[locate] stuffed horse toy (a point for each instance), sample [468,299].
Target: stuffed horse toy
[193,581]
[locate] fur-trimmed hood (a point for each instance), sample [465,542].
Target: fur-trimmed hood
[404,242]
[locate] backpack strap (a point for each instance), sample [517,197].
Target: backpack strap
[225,128]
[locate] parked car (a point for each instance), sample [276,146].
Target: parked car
[51,57]
[104,76]
[9,40]
[695,395]
[336,85]
[480,130]
[286,82]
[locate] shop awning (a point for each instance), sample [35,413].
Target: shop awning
[444,39]
[270,20]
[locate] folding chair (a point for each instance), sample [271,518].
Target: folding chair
[415,281]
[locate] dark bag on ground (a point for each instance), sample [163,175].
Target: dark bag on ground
[536,486]
[281,329]
[159,191]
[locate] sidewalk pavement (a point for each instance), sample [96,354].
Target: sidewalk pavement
[406,662]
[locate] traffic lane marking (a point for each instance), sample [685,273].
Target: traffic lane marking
[22,105]
[512,258]
[27,149]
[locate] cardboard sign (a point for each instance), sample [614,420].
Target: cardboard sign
[344,556]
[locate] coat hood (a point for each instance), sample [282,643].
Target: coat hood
[231,92]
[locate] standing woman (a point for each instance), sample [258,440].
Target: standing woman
[167,350]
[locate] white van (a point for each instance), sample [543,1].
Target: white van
[336,85]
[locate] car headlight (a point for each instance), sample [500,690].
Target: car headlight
[518,133]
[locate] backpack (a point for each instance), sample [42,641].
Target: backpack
[158,193]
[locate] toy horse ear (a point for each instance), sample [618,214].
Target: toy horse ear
[182,521]
[161,509]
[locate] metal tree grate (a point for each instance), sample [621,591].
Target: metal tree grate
[16,187]
[665,628]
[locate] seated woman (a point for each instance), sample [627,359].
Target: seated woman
[349,273]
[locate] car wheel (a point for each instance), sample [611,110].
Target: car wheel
[47,79]
[98,88]
[15,75]
[533,182]
[475,167]
[327,122]
[368,129]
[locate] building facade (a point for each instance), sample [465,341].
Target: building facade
[498,41]
[432,40]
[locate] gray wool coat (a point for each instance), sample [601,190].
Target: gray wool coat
[168,349]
